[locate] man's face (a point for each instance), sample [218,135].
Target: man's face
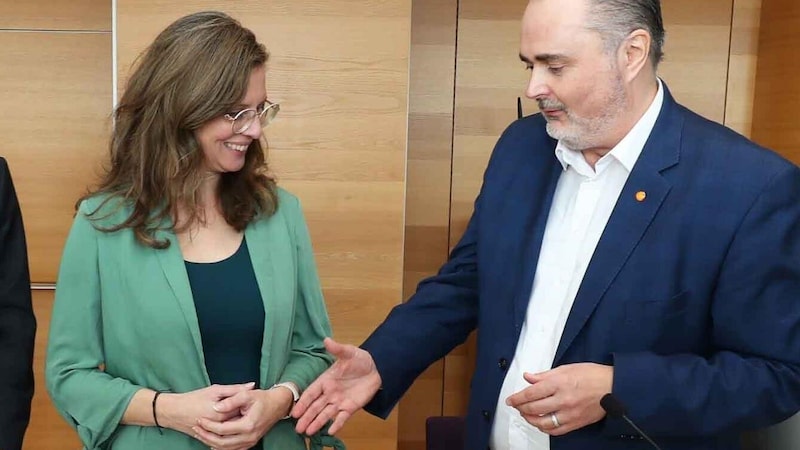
[575,81]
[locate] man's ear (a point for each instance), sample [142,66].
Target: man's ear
[635,53]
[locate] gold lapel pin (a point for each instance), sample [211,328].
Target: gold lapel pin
[640,196]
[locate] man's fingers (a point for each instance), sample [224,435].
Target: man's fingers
[340,351]
[328,413]
[538,391]
[339,422]
[309,415]
[309,396]
[535,377]
[539,407]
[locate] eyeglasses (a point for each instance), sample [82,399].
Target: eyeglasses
[242,120]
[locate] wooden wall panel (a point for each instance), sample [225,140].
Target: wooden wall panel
[742,67]
[777,93]
[340,71]
[47,429]
[73,15]
[696,63]
[430,128]
[57,98]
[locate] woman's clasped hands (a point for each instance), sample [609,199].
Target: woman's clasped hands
[225,417]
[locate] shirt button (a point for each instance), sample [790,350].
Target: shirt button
[502,364]
[486,415]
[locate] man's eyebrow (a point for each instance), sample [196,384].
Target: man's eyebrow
[544,58]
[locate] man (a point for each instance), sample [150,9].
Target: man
[620,244]
[17,322]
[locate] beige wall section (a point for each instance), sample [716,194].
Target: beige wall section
[777,93]
[47,429]
[57,95]
[57,88]
[742,66]
[340,72]
[430,129]
[696,63]
[73,15]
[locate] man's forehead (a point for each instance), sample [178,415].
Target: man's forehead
[552,29]
[555,14]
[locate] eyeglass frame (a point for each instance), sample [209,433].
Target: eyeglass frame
[262,117]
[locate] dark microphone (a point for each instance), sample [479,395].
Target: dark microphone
[617,410]
[519,108]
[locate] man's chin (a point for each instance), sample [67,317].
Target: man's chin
[559,133]
[556,129]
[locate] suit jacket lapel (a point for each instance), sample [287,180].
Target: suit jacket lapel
[629,220]
[533,233]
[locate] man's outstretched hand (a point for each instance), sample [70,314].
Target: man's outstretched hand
[348,385]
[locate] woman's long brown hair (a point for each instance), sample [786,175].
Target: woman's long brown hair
[197,69]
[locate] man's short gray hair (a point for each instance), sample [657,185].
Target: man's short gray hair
[616,19]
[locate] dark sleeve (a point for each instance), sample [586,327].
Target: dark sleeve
[753,379]
[444,310]
[438,317]
[17,322]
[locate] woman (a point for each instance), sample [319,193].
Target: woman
[188,309]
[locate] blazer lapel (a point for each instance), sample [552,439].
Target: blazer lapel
[533,234]
[173,266]
[258,243]
[629,220]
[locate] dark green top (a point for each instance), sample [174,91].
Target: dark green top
[230,313]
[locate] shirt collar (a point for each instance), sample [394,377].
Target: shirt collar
[627,151]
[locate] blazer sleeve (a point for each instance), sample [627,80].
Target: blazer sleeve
[17,322]
[437,318]
[91,400]
[308,357]
[753,377]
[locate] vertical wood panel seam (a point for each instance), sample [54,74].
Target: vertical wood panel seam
[113,55]
[728,71]
[452,158]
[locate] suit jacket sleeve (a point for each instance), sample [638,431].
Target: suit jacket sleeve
[17,322]
[91,400]
[438,317]
[308,357]
[754,379]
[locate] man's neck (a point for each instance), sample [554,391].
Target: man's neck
[639,99]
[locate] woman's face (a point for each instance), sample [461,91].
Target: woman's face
[223,150]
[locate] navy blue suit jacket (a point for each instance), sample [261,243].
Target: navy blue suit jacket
[693,294]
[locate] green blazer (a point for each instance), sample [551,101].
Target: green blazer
[128,309]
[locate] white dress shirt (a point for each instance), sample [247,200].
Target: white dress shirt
[582,204]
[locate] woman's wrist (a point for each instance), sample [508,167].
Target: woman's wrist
[287,398]
[162,410]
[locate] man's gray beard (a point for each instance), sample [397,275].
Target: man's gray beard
[572,141]
[587,133]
